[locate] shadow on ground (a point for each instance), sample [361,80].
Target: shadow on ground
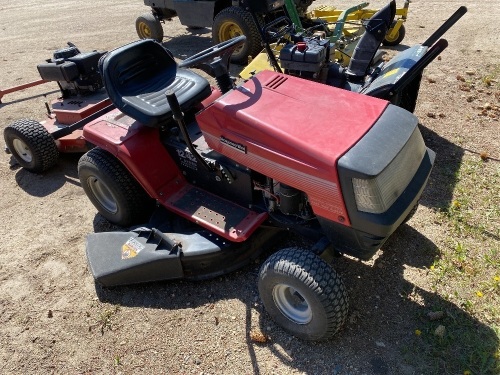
[386,310]
[44,184]
[438,193]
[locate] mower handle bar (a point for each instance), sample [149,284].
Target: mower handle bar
[445,26]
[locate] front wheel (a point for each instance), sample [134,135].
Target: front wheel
[232,22]
[396,39]
[149,27]
[112,189]
[31,145]
[303,294]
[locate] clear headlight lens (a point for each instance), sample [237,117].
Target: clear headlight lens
[376,195]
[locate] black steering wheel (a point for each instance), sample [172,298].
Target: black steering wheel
[223,50]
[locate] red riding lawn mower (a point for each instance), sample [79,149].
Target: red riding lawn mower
[222,173]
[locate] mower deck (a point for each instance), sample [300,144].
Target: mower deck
[149,254]
[68,111]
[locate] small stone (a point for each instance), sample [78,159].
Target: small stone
[50,314]
[380,344]
[258,336]
[440,331]
[460,78]
[435,315]
[470,72]
[431,115]
[484,155]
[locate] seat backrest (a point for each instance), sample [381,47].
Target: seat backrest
[136,68]
[137,76]
[375,32]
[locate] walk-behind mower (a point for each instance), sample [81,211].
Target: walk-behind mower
[397,80]
[233,168]
[36,145]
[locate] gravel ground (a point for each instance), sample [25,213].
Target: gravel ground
[54,319]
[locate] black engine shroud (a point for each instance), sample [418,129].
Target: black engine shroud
[75,72]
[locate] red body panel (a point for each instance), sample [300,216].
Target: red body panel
[292,130]
[139,149]
[74,142]
[69,111]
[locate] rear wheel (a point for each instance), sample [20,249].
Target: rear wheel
[232,22]
[396,39]
[31,145]
[112,189]
[149,27]
[303,294]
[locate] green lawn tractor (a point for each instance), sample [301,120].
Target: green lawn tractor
[231,18]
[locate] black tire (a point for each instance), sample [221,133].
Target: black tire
[31,145]
[303,294]
[397,39]
[112,189]
[231,22]
[149,27]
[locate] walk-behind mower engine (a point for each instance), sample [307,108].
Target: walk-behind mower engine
[75,72]
[307,58]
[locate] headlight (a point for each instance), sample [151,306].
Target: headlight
[377,194]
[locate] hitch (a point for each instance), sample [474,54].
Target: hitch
[20,87]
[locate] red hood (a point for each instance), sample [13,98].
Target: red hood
[290,129]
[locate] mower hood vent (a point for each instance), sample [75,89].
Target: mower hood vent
[276,82]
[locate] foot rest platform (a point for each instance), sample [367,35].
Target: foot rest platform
[223,217]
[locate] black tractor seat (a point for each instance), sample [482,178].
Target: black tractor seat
[137,75]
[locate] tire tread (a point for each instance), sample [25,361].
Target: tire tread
[38,139]
[319,277]
[137,201]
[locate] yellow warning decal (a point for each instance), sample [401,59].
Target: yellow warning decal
[391,72]
[131,248]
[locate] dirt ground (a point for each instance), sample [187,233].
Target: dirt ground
[52,318]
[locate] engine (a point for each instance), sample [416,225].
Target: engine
[75,72]
[284,203]
[307,58]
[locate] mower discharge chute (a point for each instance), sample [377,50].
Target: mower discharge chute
[233,168]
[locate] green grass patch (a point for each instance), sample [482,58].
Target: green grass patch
[467,274]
